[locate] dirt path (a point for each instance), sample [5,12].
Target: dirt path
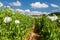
[33,35]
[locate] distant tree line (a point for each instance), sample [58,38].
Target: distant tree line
[56,13]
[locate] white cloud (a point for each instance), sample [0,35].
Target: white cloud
[54,5]
[55,10]
[27,10]
[17,3]
[8,6]
[1,4]
[20,10]
[38,13]
[35,13]
[39,5]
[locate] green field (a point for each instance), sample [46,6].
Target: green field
[17,26]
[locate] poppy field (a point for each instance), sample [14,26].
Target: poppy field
[17,26]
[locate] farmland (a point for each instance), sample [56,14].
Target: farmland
[17,26]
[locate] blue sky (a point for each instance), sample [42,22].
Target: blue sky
[33,5]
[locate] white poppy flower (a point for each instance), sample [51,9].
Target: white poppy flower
[17,21]
[52,18]
[7,19]
[59,20]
